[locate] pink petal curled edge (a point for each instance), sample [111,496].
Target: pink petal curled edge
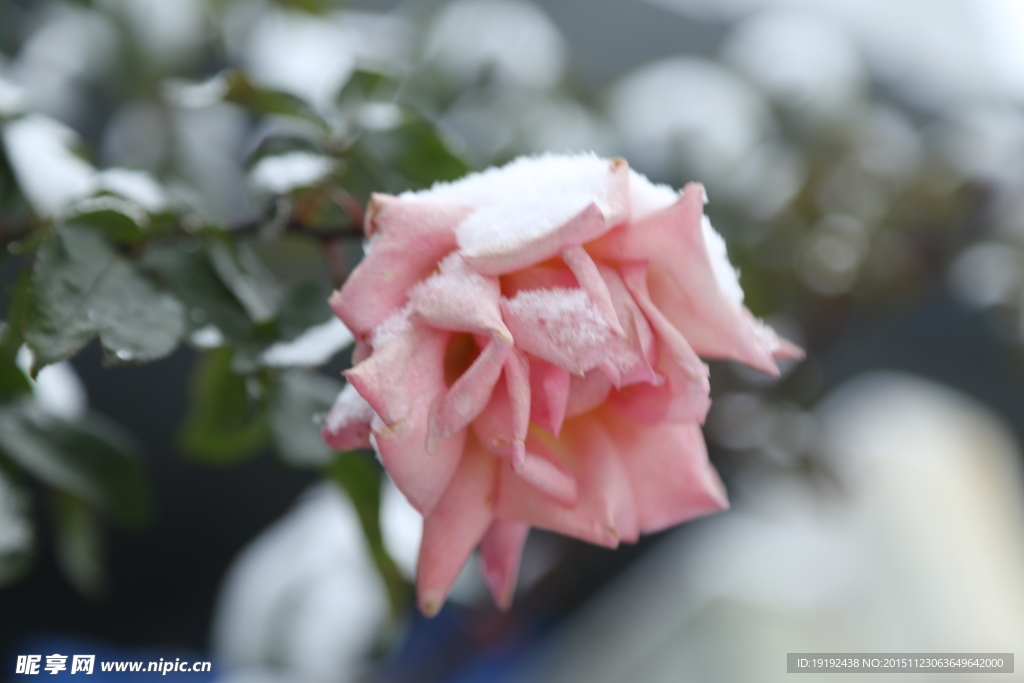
[529,344]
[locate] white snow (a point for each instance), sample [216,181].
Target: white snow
[577,337]
[524,199]
[138,186]
[646,197]
[49,174]
[12,98]
[315,346]
[208,337]
[285,172]
[53,177]
[514,41]
[455,283]
[396,325]
[725,274]
[298,53]
[687,109]
[303,600]
[348,408]
[402,529]
[57,388]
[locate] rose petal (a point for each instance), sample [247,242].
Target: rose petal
[455,526]
[409,238]
[400,380]
[470,394]
[669,471]
[684,396]
[502,428]
[587,392]
[591,282]
[605,512]
[631,360]
[502,550]
[459,299]
[561,326]
[695,287]
[516,230]
[549,395]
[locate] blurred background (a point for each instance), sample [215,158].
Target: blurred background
[865,163]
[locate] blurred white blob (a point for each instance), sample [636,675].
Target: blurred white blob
[497,125]
[191,94]
[312,348]
[565,126]
[687,110]
[285,172]
[71,45]
[985,142]
[48,172]
[209,151]
[510,40]
[987,274]
[12,97]
[766,180]
[402,529]
[887,145]
[207,337]
[934,52]
[310,56]
[137,186]
[920,548]
[57,388]
[802,61]
[832,254]
[53,177]
[171,33]
[303,601]
[299,53]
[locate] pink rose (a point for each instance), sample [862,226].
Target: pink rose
[527,355]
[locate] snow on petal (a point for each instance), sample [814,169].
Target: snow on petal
[561,326]
[460,299]
[347,425]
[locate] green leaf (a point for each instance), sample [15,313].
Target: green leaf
[415,150]
[81,287]
[242,271]
[298,266]
[89,458]
[121,220]
[360,477]
[17,536]
[13,381]
[300,401]
[78,545]
[244,92]
[225,424]
[305,306]
[185,268]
